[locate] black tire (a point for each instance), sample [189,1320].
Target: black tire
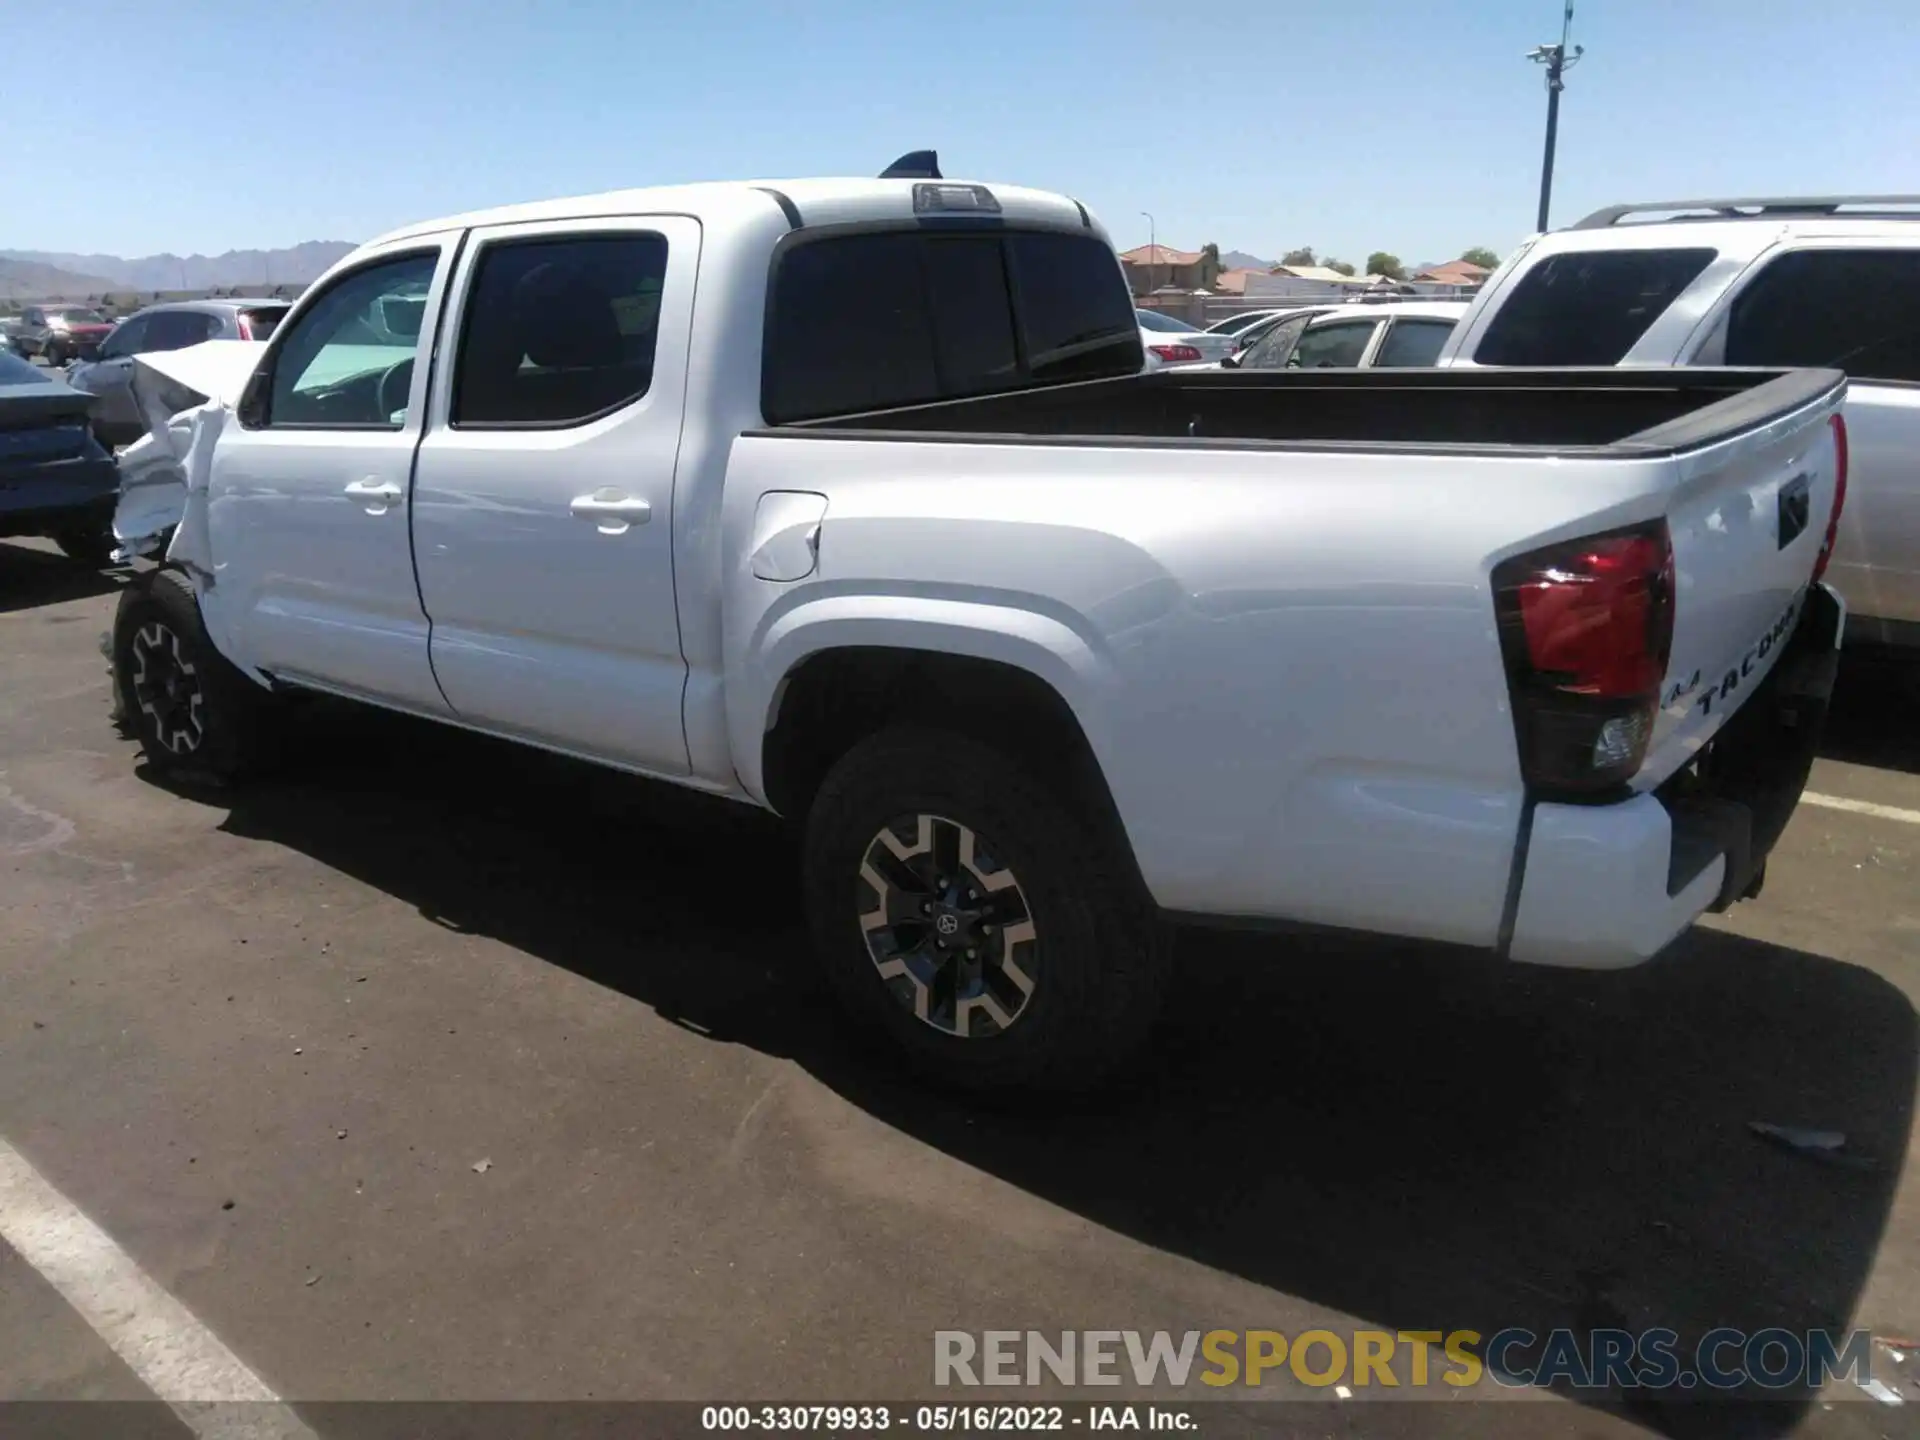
[53,354]
[91,545]
[214,723]
[1097,957]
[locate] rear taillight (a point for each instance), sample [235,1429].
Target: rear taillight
[1586,628]
[1175,354]
[245,326]
[1839,424]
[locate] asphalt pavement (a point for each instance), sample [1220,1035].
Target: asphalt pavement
[436,1069]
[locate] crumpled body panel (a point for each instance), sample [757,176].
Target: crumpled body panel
[185,397]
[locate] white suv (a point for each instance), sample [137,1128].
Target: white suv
[1827,281]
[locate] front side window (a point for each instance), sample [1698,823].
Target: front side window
[1413,343]
[1587,307]
[1335,346]
[348,360]
[560,330]
[1851,310]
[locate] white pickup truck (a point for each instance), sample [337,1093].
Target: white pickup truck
[846,498]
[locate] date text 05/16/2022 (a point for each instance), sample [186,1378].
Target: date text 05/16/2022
[944,1419]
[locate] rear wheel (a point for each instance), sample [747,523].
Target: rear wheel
[994,937]
[192,710]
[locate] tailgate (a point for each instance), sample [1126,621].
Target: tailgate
[1748,515]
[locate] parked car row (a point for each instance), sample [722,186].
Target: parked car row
[899,533]
[1309,337]
[57,333]
[171,326]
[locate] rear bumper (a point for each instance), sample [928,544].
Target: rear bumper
[1607,886]
[54,497]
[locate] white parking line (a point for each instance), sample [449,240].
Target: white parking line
[175,1356]
[1863,807]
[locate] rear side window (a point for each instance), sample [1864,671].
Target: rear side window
[177,329]
[558,331]
[1413,342]
[1852,310]
[1335,346]
[260,323]
[868,322]
[1587,308]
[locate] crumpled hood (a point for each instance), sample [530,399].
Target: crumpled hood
[184,397]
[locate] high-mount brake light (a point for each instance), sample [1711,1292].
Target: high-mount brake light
[946,199]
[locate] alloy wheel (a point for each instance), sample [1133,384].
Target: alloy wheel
[166,687]
[947,926]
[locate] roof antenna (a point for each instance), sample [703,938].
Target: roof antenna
[914,165]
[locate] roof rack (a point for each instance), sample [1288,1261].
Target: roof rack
[1759,208]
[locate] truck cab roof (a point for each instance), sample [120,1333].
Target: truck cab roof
[804,203]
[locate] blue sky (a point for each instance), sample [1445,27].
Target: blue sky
[1349,125]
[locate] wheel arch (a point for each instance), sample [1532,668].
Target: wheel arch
[998,687]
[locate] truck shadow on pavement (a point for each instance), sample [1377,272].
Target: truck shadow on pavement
[1875,716]
[1381,1128]
[30,578]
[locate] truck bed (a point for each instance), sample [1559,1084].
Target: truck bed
[1558,411]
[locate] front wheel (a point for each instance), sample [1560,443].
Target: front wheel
[193,711]
[55,356]
[995,937]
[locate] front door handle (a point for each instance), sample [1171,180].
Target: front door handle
[612,511]
[379,496]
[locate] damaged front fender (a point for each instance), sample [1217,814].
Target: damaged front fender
[185,397]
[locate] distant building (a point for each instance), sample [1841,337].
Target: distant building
[1453,278]
[1151,267]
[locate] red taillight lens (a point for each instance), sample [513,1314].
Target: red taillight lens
[1586,629]
[245,327]
[1175,354]
[1839,427]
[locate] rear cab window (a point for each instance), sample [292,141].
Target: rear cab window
[1587,307]
[878,319]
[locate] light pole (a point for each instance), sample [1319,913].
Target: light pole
[1558,60]
[1153,250]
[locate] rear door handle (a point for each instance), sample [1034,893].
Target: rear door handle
[612,511]
[379,496]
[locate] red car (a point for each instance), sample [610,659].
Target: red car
[59,333]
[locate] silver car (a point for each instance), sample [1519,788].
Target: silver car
[174,326]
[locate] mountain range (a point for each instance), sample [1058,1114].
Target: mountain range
[46,273]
